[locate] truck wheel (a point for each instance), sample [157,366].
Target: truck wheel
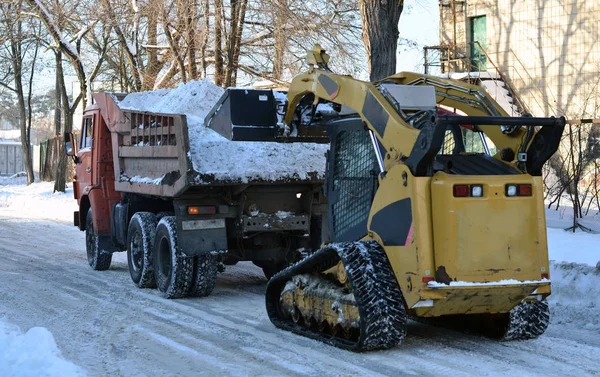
[173,270]
[98,259]
[205,275]
[140,248]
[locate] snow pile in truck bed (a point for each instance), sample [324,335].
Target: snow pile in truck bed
[216,156]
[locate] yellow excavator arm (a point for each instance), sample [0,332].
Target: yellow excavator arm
[399,138]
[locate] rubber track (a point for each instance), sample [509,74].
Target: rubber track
[528,320]
[378,298]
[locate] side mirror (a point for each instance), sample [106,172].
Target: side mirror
[69,144]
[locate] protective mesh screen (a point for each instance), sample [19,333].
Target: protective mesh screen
[449,143]
[353,180]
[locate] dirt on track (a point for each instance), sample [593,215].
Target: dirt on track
[105,324]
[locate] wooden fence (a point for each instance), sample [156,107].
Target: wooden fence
[49,150]
[11,158]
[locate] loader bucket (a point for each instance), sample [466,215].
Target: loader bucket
[245,114]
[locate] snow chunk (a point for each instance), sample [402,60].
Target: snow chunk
[138,179]
[284,214]
[33,353]
[435,284]
[223,159]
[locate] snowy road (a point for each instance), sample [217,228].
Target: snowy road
[106,325]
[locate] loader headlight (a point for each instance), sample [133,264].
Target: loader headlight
[477,191]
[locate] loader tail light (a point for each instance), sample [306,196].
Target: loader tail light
[461,191]
[519,190]
[465,191]
[545,276]
[524,190]
[427,279]
[202,210]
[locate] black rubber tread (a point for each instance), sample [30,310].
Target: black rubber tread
[528,320]
[144,224]
[377,294]
[205,275]
[98,260]
[177,283]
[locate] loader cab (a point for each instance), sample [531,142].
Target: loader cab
[351,182]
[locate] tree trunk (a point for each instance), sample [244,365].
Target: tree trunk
[188,17]
[57,97]
[153,66]
[218,43]
[204,43]
[16,39]
[238,13]
[238,41]
[60,178]
[28,158]
[380,35]
[280,38]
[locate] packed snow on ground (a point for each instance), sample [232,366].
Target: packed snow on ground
[216,156]
[574,305]
[563,218]
[33,353]
[37,200]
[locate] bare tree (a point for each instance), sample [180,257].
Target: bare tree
[67,34]
[21,42]
[380,35]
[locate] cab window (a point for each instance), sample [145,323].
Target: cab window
[87,132]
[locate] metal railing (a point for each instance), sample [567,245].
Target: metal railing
[459,56]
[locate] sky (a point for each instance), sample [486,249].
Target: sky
[420,22]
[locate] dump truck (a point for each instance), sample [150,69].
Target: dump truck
[435,212]
[185,198]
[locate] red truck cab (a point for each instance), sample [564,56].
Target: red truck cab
[94,187]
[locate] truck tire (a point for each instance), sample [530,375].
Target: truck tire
[205,275]
[173,270]
[99,260]
[140,249]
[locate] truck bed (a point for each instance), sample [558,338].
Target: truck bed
[164,154]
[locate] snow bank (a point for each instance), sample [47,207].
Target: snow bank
[220,158]
[16,179]
[575,298]
[563,218]
[33,353]
[578,247]
[37,199]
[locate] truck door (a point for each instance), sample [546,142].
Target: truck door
[84,167]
